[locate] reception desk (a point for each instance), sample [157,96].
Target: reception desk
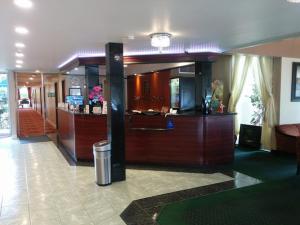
[78,132]
[187,139]
[191,139]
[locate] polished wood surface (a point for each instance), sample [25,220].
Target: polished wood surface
[193,140]
[149,91]
[66,132]
[78,133]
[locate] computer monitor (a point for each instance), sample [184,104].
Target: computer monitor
[74,100]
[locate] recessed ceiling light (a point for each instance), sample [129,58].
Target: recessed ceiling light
[131,37]
[19,54]
[68,72]
[19,61]
[294,1]
[19,66]
[76,68]
[20,45]
[37,71]
[21,30]
[23,3]
[31,78]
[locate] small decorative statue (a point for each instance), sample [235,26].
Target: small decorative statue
[216,104]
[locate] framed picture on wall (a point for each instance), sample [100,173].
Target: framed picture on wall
[74,91]
[295,95]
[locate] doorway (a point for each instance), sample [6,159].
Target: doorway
[31,112]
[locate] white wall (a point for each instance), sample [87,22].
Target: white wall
[289,111]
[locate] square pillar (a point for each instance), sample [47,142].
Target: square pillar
[115,109]
[203,79]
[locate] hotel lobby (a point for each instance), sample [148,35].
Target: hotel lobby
[149,113]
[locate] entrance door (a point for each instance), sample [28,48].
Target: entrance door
[4,106]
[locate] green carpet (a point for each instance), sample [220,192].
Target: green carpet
[264,165]
[270,203]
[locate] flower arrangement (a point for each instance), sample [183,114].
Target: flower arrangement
[95,96]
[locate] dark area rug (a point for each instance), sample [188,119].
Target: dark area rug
[270,203]
[265,165]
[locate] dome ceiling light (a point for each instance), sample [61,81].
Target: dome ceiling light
[23,3]
[160,40]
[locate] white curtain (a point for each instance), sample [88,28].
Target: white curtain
[263,70]
[240,67]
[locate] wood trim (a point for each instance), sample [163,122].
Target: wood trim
[144,59]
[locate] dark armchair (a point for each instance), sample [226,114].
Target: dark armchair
[286,137]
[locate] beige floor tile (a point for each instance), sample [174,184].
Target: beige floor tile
[43,187]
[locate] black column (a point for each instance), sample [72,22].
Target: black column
[92,76]
[115,108]
[203,78]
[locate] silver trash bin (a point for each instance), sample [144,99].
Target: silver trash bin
[102,155]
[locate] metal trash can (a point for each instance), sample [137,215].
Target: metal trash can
[102,155]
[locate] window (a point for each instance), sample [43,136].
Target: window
[4,110]
[23,92]
[249,107]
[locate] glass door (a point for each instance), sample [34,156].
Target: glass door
[4,108]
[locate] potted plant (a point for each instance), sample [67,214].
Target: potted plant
[96,98]
[250,135]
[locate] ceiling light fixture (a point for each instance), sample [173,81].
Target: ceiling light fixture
[20,45]
[31,78]
[18,66]
[294,1]
[27,4]
[160,40]
[37,71]
[76,68]
[21,30]
[19,54]
[19,61]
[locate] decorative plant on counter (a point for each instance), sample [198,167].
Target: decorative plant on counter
[95,96]
[259,109]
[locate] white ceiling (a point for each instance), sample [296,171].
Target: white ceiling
[62,28]
[289,47]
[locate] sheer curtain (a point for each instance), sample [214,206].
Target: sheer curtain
[240,67]
[263,70]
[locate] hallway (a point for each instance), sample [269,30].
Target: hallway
[31,124]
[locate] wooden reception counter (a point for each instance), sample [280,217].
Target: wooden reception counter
[194,139]
[186,139]
[78,132]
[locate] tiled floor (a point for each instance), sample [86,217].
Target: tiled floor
[38,186]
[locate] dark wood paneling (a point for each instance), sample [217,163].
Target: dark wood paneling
[195,140]
[89,129]
[78,133]
[219,139]
[66,131]
[145,59]
[149,91]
